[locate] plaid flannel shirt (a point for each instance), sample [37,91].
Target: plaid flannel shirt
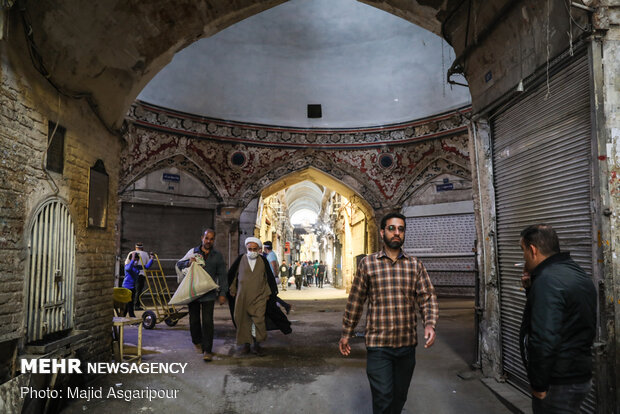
[392,289]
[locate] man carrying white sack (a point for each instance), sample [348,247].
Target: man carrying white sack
[251,291]
[202,308]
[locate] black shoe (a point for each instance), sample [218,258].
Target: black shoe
[242,350]
[288,309]
[138,308]
[258,350]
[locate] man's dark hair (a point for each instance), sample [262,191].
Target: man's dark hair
[391,216]
[543,237]
[208,231]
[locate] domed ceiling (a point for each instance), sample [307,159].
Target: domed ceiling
[365,67]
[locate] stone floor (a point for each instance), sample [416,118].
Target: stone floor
[302,372]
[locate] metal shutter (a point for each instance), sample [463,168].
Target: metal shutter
[444,245]
[542,172]
[169,231]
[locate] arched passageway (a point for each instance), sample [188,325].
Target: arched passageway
[339,226]
[81,66]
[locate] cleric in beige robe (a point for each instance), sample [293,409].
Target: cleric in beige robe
[251,291]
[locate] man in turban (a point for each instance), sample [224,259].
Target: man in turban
[251,291]
[253,294]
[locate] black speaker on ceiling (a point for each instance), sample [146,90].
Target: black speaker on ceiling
[315,111]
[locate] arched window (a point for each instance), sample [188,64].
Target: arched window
[51,271]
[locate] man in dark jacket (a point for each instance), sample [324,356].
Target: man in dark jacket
[559,323]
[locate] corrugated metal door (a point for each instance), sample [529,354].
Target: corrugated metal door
[169,231]
[51,271]
[444,245]
[542,170]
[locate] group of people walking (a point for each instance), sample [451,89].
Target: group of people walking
[557,333]
[303,274]
[250,288]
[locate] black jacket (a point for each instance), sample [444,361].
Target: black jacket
[274,318]
[559,324]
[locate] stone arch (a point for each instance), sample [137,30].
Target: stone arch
[322,178]
[317,168]
[431,169]
[179,161]
[343,187]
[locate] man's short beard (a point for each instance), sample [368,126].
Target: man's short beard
[392,244]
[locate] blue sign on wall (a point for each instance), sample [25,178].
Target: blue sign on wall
[175,178]
[445,187]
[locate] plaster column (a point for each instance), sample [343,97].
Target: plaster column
[605,57]
[227,232]
[488,311]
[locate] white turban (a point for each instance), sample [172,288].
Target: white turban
[253,240]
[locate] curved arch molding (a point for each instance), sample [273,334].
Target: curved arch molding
[357,166]
[166,120]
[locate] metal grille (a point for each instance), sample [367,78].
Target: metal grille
[51,271]
[542,171]
[444,245]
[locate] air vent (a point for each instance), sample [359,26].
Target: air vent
[315,111]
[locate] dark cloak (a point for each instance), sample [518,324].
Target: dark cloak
[274,318]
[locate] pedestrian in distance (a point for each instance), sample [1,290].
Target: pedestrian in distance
[132,275]
[141,279]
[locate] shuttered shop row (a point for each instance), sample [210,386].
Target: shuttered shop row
[542,172]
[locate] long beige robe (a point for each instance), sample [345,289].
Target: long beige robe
[251,293]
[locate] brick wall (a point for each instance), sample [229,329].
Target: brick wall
[27,103]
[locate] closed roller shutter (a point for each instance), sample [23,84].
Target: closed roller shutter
[166,230]
[542,172]
[444,245]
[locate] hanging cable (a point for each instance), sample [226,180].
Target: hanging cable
[39,65]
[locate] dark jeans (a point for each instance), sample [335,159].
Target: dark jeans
[202,333]
[320,280]
[298,282]
[138,290]
[389,372]
[562,399]
[129,305]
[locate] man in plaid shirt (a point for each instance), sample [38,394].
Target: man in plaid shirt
[392,282]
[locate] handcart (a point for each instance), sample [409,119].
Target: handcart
[158,288]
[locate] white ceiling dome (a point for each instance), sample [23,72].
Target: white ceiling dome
[365,67]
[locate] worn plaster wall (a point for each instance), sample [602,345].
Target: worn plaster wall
[27,103]
[501,42]
[489,343]
[610,186]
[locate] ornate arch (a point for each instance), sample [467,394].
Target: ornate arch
[429,171]
[318,168]
[180,161]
